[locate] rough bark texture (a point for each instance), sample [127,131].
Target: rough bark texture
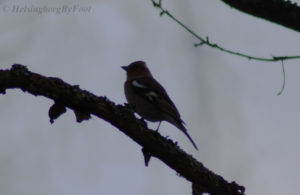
[122,117]
[282,12]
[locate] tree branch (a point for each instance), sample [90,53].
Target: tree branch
[206,41]
[121,117]
[281,12]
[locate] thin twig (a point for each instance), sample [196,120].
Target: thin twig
[213,45]
[283,83]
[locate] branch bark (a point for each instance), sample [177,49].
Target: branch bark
[281,12]
[121,117]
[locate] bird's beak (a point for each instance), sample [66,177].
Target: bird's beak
[125,67]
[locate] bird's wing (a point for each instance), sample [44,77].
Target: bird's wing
[153,92]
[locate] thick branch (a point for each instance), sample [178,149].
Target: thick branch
[65,95]
[281,12]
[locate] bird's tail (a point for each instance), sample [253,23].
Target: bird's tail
[184,130]
[189,137]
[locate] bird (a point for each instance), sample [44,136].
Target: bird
[149,99]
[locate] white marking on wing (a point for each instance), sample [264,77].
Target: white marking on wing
[136,84]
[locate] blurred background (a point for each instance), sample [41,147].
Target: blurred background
[244,131]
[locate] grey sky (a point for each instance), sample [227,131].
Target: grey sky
[244,131]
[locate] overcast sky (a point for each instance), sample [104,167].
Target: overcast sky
[244,131]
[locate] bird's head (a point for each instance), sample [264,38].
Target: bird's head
[137,69]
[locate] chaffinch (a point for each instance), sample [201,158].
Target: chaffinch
[149,99]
